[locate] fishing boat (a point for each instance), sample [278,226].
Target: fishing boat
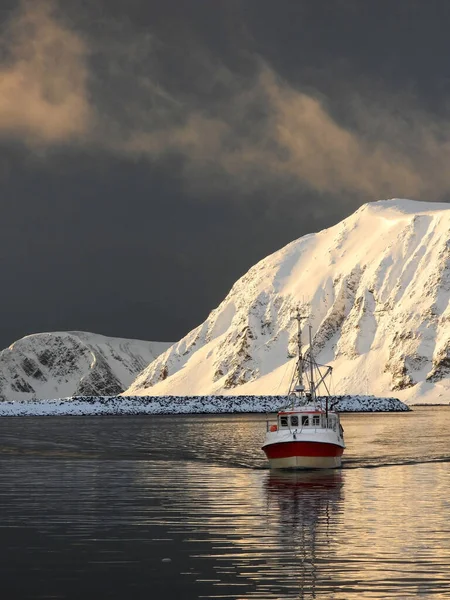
[307,433]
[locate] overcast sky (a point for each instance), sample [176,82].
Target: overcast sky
[151,152]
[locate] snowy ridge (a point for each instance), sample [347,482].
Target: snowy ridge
[376,287]
[140,405]
[60,364]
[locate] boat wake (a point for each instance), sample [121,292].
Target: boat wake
[355,464]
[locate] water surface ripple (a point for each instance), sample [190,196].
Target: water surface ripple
[91,507]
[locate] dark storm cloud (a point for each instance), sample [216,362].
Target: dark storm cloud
[151,152]
[115,92]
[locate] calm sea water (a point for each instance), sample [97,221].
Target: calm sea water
[184,507]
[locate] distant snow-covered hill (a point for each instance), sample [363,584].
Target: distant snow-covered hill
[377,289]
[61,364]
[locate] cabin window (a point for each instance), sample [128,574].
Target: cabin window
[294,421]
[316,420]
[305,421]
[283,421]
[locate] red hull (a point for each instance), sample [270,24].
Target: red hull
[313,449]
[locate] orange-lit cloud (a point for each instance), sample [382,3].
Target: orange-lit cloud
[261,130]
[44,79]
[296,141]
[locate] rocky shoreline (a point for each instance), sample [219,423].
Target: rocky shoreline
[165,405]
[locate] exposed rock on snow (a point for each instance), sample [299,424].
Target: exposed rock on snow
[376,287]
[141,405]
[51,365]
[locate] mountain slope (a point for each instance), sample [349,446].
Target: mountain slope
[61,364]
[376,287]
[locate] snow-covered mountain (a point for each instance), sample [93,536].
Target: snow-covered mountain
[376,287]
[61,364]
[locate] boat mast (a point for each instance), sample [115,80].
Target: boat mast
[300,386]
[311,366]
[297,389]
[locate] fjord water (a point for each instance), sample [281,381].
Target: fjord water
[184,506]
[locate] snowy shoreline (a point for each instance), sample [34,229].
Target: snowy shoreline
[167,405]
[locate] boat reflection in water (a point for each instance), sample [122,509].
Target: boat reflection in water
[306,505]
